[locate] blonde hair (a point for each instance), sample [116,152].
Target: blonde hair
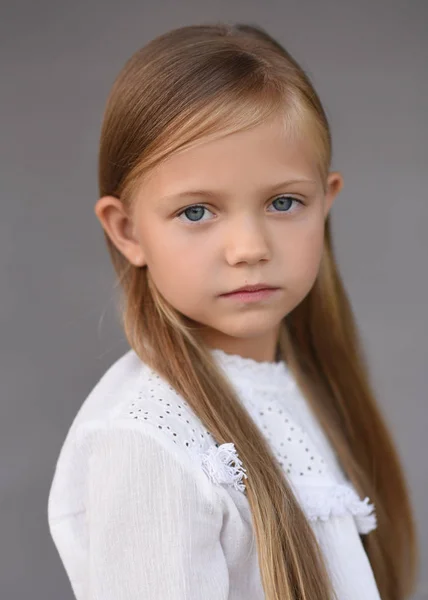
[185,87]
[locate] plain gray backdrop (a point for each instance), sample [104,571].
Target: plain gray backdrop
[368,61]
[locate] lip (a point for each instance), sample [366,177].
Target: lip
[254,296]
[251,288]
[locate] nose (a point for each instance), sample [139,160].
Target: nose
[247,241]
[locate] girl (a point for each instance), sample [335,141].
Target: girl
[236,451]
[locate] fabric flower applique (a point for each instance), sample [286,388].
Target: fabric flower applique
[221,464]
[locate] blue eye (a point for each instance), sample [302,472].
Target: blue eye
[193,211]
[197,210]
[288,199]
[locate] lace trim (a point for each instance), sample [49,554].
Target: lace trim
[323,502]
[319,502]
[222,465]
[255,373]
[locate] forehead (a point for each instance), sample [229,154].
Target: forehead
[260,156]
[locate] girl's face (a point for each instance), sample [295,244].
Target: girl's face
[245,209]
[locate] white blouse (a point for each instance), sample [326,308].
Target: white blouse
[144,504]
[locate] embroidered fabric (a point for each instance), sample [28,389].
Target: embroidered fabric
[140,475]
[258,373]
[320,502]
[260,387]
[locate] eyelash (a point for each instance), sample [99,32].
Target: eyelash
[202,206]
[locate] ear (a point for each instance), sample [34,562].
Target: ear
[117,224]
[334,186]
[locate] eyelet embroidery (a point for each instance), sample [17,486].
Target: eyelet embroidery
[158,404]
[284,435]
[319,494]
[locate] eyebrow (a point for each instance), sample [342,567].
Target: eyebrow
[213,194]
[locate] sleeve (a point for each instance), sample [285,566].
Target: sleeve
[153,524]
[346,559]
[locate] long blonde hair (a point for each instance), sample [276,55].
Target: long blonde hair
[185,87]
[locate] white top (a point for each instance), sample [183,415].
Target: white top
[145,506]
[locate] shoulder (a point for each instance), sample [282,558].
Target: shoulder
[130,391]
[155,404]
[152,410]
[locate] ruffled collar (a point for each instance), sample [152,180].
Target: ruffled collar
[254,373]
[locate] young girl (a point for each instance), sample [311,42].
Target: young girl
[236,451]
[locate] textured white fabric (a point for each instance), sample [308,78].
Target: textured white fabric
[145,504]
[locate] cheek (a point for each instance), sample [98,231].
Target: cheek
[305,257]
[177,269]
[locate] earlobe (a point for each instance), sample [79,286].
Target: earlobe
[116,223]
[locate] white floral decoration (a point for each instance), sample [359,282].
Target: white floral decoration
[217,463]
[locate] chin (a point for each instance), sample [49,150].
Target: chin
[246,327]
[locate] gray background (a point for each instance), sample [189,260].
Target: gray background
[59,332]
